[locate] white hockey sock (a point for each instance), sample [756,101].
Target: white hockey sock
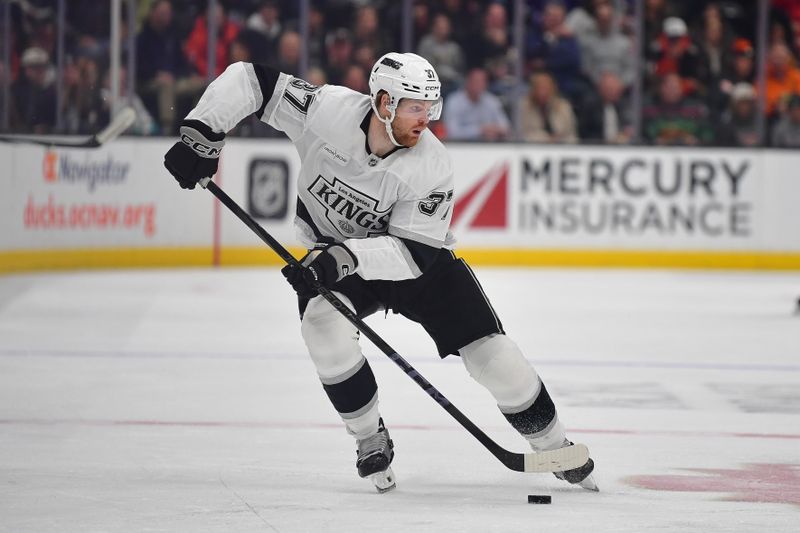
[497,363]
[555,437]
[345,374]
[365,424]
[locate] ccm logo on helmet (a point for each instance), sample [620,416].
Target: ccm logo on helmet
[431,87]
[200,148]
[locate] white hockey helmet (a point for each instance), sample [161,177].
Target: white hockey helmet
[405,76]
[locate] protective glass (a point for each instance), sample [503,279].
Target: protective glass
[417,109]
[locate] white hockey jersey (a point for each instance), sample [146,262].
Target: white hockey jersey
[345,193]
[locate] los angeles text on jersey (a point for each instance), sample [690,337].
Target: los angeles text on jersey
[352,212]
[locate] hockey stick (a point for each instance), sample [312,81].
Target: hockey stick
[121,122]
[550,461]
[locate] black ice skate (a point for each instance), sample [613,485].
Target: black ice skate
[375,454]
[581,476]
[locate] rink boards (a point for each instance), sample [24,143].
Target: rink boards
[515,204]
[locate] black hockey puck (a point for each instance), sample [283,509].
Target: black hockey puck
[539,498]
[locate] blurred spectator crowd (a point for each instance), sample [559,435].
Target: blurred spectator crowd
[697,79]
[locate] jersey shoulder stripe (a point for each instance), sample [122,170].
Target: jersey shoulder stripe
[267,78]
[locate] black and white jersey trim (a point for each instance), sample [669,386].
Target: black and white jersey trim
[303,215]
[264,79]
[276,81]
[421,255]
[413,266]
[405,234]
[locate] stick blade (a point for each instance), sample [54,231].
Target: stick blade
[121,122]
[565,458]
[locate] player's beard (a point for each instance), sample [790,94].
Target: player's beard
[405,136]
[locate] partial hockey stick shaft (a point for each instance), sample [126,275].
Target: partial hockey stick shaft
[121,122]
[552,461]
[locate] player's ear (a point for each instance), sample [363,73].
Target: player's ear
[383,105]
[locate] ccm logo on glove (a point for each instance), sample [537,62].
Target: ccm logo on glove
[203,150]
[196,155]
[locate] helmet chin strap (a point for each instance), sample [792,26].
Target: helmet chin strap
[387,123]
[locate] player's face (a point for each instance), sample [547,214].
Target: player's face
[411,119]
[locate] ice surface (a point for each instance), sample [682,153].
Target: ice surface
[183,401]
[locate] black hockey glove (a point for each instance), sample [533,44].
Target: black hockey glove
[327,263]
[196,155]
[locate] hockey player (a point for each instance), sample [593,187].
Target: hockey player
[375,198]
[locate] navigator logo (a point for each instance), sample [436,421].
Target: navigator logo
[89,170]
[485,205]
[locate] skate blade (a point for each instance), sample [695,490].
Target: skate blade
[383,481]
[588,483]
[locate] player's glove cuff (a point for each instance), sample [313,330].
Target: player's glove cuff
[346,261]
[326,264]
[203,141]
[330,265]
[196,155]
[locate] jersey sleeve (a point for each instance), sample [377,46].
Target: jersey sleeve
[291,105]
[424,217]
[282,101]
[233,95]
